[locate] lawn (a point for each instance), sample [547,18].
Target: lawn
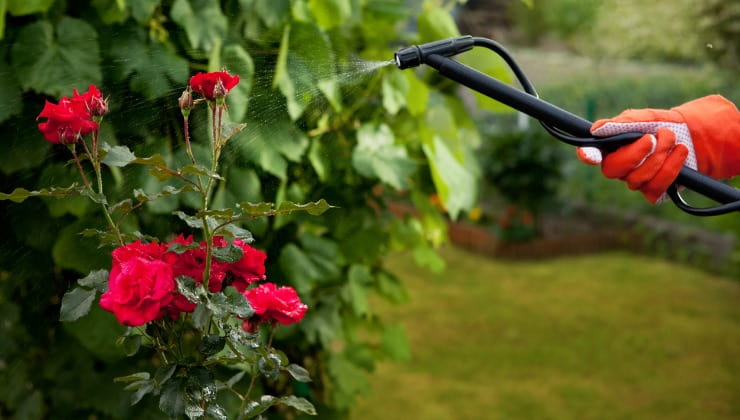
[610,336]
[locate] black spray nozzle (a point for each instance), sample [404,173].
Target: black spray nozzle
[416,55]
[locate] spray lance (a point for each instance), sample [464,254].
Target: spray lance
[561,124]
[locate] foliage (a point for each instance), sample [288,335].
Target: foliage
[309,102]
[524,166]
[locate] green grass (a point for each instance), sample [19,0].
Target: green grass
[610,336]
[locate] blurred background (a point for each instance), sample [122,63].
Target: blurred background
[474,268]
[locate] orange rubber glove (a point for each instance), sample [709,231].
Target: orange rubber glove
[703,134]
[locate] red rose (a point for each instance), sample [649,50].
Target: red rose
[206,83]
[65,123]
[192,262]
[90,102]
[250,268]
[273,304]
[139,290]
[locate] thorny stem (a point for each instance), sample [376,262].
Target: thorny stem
[79,167]
[94,158]
[186,129]
[205,195]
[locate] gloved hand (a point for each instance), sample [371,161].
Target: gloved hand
[703,134]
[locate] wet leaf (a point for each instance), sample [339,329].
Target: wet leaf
[298,373]
[164,373]
[97,279]
[172,399]
[21,194]
[300,404]
[228,254]
[314,208]
[76,303]
[117,156]
[138,376]
[211,344]
[216,411]
[192,291]
[255,408]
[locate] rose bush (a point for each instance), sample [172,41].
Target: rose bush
[320,123]
[165,292]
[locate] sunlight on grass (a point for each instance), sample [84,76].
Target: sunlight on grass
[607,336]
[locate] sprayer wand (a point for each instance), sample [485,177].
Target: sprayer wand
[561,124]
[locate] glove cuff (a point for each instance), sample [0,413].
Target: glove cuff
[714,123]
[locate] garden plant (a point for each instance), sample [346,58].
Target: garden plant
[140,192]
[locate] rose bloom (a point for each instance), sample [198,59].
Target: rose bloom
[274,304]
[205,83]
[192,262]
[65,123]
[90,102]
[139,290]
[250,268]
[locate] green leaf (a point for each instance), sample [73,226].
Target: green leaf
[228,254]
[12,103]
[142,10]
[97,279]
[269,146]
[359,280]
[235,303]
[145,388]
[138,376]
[179,248]
[299,403]
[255,408]
[417,94]
[73,251]
[395,91]
[117,156]
[256,209]
[301,73]
[131,344]
[211,344]
[202,20]
[330,13]
[235,379]
[216,411]
[164,373]
[28,7]
[298,373]
[233,231]
[98,332]
[192,291]
[454,182]
[172,400]
[76,303]
[376,156]
[63,57]
[201,384]
[236,59]
[315,208]
[435,23]
[395,344]
[21,194]
[154,69]
[272,12]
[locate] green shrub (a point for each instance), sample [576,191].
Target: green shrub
[321,123]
